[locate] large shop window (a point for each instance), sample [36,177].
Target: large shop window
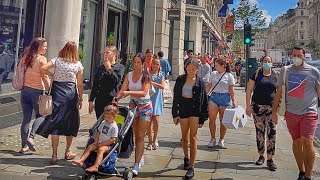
[86,39]
[13,40]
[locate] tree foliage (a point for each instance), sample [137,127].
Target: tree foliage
[248,11]
[314,46]
[291,44]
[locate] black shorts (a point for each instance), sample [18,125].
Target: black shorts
[237,73]
[188,109]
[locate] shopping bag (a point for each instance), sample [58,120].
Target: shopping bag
[240,113]
[45,105]
[231,119]
[167,93]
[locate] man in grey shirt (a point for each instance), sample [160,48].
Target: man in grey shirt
[4,63]
[302,84]
[204,70]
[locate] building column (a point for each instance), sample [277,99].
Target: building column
[196,33]
[62,24]
[178,42]
[162,28]
[149,25]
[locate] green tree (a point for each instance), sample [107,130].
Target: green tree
[291,44]
[248,11]
[314,46]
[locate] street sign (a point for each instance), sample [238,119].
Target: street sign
[174,14]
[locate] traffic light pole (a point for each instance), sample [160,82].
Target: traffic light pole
[247,64]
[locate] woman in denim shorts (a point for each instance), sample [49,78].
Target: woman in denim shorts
[220,98]
[137,84]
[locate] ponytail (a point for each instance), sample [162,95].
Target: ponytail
[228,67]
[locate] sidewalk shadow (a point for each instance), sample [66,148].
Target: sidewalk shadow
[206,148]
[15,153]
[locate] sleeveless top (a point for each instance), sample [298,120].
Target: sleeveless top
[136,87]
[65,71]
[33,76]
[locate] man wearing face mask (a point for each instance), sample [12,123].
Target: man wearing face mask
[263,85]
[302,91]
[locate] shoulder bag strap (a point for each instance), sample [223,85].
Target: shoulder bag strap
[285,69]
[210,92]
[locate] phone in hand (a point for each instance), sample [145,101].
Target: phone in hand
[178,121]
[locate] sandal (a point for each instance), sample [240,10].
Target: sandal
[54,159]
[149,147]
[24,150]
[68,155]
[155,145]
[30,143]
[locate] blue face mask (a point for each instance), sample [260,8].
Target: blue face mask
[267,66]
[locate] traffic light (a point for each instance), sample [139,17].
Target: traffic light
[247,34]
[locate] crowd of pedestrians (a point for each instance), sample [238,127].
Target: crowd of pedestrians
[205,90]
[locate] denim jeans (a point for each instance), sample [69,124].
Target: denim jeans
[29,102]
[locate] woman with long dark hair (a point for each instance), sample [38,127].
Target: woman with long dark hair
[137,84]
[67,90]
[189,108]
[34,84]
[222,83]
[107,81]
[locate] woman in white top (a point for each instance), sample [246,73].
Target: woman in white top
[222,93]
[67,90]
[137,84]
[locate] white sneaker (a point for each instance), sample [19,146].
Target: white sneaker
[135,169]
[221,143]
[212,143]
[141,162]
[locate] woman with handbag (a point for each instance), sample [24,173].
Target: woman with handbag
[263,85]
[221,91]
[157,80]
[35,82]
[190,109]
[137,85]
[67,90]
[107,81]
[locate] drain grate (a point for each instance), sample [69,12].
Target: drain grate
[316,173]
[7,100]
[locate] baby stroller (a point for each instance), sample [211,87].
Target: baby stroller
[122,148]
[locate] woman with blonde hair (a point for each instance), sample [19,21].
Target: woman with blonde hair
[66,91]
[35,83]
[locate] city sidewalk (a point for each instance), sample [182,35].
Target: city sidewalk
[234,162]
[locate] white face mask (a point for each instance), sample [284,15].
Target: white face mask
[297,61]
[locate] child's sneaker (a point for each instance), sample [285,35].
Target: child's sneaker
[135,169]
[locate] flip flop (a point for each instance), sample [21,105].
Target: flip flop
[23,152]
[31,146]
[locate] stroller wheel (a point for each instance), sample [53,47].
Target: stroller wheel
[89,177]
[127,174]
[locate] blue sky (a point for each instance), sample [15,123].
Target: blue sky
[271,8]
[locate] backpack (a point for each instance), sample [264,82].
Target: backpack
[18,78]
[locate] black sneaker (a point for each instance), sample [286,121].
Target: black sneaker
[186,164]
[301,176]
[260,161]
[271,165]
[189,174]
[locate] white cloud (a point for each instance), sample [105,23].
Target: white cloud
[267,16]
[264,12]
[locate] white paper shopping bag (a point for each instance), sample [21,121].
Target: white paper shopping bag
[230,119]
[240,113]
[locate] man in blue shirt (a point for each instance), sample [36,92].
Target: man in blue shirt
[165,65]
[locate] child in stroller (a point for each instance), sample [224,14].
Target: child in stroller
[105,139]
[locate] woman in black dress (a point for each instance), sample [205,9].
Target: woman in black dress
[67,90]
[107,81]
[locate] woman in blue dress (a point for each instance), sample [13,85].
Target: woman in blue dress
[157,80]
